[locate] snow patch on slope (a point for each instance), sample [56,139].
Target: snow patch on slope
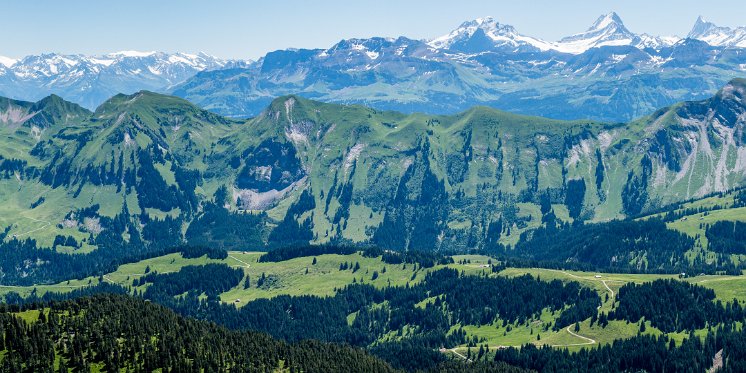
[7,61]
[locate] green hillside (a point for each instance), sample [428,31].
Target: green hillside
[146,172]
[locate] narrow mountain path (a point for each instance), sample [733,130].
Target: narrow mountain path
[246,265]
[46,224]
[604,282]
[589,341]
[453,350]
[608,288]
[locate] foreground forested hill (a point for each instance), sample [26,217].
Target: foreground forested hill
[120,333]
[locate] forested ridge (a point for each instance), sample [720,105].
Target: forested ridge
[621,246]
[457,299]
[123,333]
[119,332]
[112,332]
[674,306]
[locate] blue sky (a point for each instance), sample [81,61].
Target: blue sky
[248,29]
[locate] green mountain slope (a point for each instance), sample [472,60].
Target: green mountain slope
[23,124]
[145,169]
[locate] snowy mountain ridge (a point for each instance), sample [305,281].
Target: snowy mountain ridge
[607,30]
[481,62]
[718,36]
[89,80]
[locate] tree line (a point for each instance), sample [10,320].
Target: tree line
[118,332]
[644,353]
[615,246]
[674,306]
[211,279]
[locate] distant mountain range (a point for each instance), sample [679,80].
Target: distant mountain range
[487,34]
[90,80]
[606,73]
[608,30]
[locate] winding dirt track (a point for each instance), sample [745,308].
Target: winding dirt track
[46,224]
[588,341]
[608,288]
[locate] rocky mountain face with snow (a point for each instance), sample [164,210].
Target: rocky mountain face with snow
[606,72]
[90,80]
[718,36]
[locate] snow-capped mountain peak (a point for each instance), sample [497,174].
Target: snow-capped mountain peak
[486,33]
[701,27]
[718,36]
[608,30]
[466,30]
[608,20]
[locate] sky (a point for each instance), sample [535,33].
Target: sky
[248,29]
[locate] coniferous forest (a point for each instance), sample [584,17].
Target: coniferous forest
[117,332]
